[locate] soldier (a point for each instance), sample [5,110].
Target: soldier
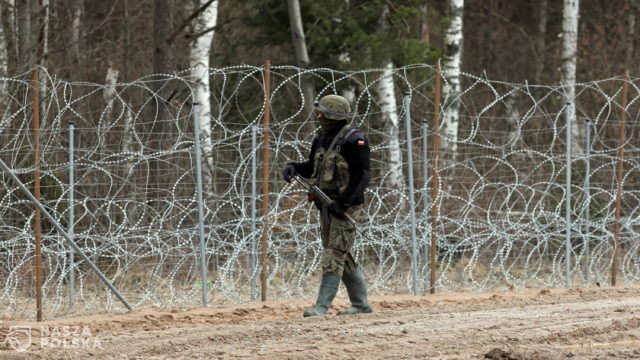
[339,165]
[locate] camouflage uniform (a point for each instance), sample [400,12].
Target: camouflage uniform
[332,176]
[338,237]
[339,165]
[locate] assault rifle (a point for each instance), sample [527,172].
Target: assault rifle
[316,192]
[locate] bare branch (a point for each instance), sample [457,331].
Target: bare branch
[188,20]
[193,36]
[203,32]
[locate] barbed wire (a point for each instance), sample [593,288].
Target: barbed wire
[501,203]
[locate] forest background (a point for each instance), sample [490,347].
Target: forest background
[127,74]
[509,40]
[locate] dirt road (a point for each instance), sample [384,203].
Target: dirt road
[542,324]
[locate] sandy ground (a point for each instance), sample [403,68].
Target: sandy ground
[579,323]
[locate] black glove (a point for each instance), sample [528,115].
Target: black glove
[336,210]
[344,199]
[288,173]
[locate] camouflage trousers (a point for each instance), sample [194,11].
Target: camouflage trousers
[338,237]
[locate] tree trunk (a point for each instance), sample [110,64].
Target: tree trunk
[302,57]
[44,32]
[25,46]
[4,58]
[44,51]
[158,126]
[541,42]
[513,117]
[4,72]
[349,91]
[386,92]
[451,66]
[388,107]
[76,29]
[569,59]
[128,138]
[109,92]
[13,24]
[297,32]
[200,53]
[424,24]
[162,28]
[163,63]
[631,34]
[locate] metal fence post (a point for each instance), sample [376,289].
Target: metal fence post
[587,192]
[568,115]
[70,226]
[265,180]
[203,260]
[254,196]
[412,204]
[37,224]
[64,234]
[425,198]
[615,261]
[435,181]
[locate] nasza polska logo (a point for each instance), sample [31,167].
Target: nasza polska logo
[19,338]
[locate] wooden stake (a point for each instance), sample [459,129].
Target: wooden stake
[37,227]
[435,181]
[265,179]
[620,169]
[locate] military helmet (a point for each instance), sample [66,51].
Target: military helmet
[334,107]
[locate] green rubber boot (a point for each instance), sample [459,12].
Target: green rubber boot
[328,289]
[357,290]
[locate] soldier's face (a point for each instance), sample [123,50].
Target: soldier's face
[325,123]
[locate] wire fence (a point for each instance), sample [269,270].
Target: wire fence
[501,204]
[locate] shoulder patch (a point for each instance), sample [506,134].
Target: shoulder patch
[355,137]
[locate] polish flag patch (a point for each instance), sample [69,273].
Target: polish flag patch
[361,142]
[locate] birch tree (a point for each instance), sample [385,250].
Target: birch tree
[513,119]
[109,91]
[388,107]
[199,55]
[569,59]
[451,73]
[297,32]
[76,29]
[302,56]
[424,24]
[4,58]
[13,24]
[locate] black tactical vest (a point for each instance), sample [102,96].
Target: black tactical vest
[331,169]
